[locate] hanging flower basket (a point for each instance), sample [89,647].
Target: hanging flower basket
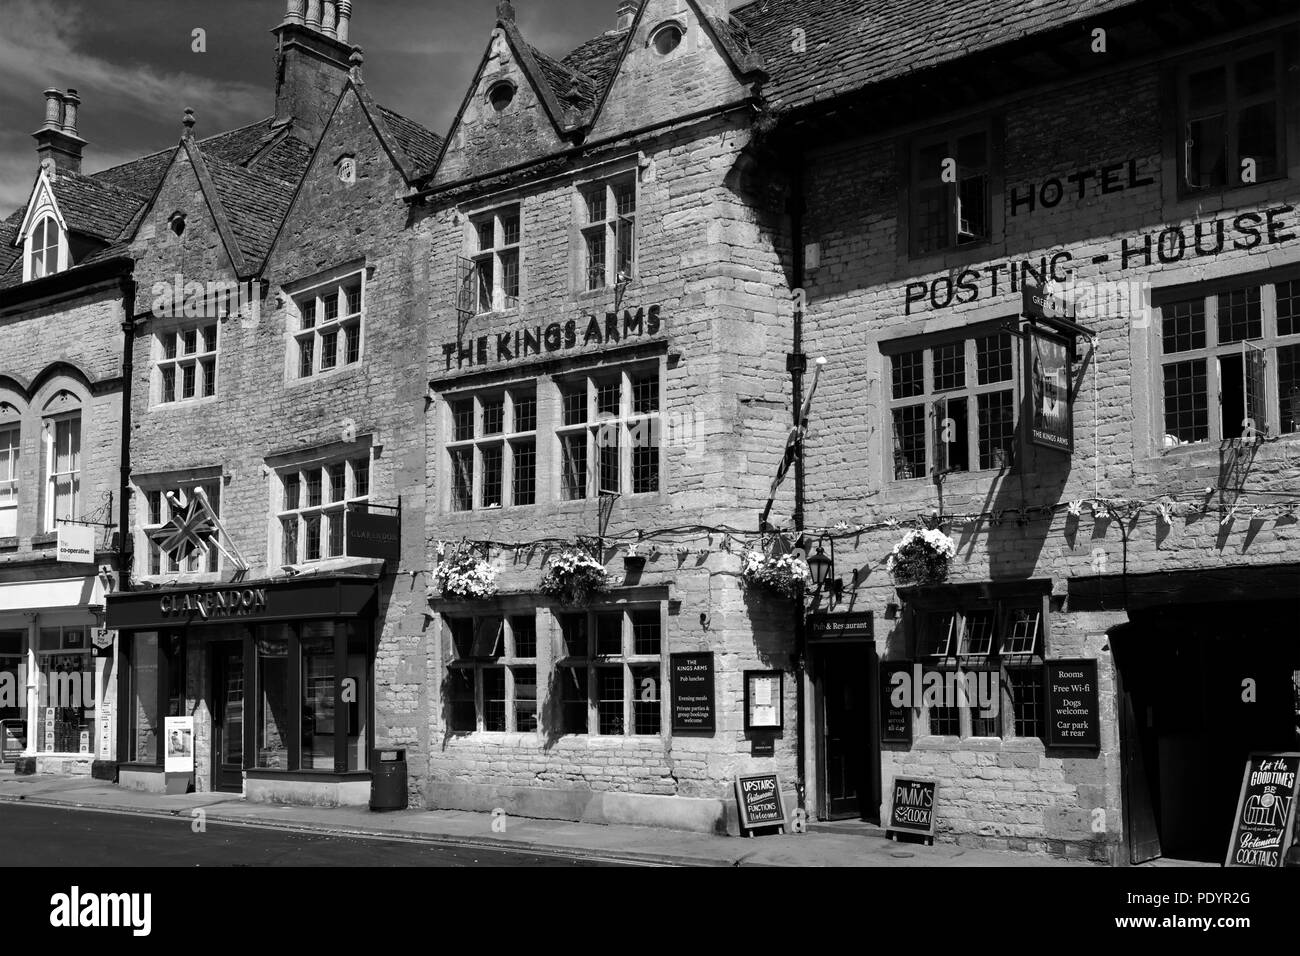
[786,574]
[575,577]
[922,557]
[465,576]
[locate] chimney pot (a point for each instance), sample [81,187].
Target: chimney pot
[70,103]
[329,18]
[506,11]
[294,12]
[313,14]
[345,20]
[627,13]
[53,109]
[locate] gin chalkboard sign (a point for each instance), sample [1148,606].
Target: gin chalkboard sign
[692,684]
[1264,825]
[911,807]
[758,795]
[1073,704]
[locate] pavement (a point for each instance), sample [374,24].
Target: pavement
[856,844]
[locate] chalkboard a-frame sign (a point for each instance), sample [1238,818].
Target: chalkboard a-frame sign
[1264,825]
[758,795]
[911,807]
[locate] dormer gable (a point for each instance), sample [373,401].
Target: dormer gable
[511,113]
[44,233]
[682,57]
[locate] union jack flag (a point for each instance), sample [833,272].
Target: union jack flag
[192,528]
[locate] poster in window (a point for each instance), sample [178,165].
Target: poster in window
[179,735]
[1051,406]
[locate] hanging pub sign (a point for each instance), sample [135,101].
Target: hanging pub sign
[373,535]
[1050,411]
[1073,704]
[1263,828]
[758,796]
[911,807]
[692,688]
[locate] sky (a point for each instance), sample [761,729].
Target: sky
[132,63]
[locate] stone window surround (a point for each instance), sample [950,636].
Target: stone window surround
[498,256]
[1150,446]
[206,568]
[49,437]
[60,248]
[327,511]
[10,452]
[968,333]
[294,294]
[949,137]
[550,649]
[1002,600]
[549,421]
[633,667]
[510,663]
[206,363]
[681,25]
[627,168]
[509,438]
[1229,58]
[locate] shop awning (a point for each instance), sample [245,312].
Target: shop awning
[52,595]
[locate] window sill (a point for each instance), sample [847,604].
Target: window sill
[1207,202]
[184,403]
[45,539]
[295,381]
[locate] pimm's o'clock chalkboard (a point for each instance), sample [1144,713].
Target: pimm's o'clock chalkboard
[758,795]
[692,686]
[1263,827]
[911,807]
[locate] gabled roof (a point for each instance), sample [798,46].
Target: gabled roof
[598,57]
[853,44]
[254,206]
[95,208]
[423,146]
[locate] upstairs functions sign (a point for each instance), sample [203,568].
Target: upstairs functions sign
[758,795]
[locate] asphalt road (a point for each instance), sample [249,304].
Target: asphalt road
[49,836]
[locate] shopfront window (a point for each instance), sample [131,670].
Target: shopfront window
[66,695]
[156,690]
[329,711]
[13,682]
[274,721]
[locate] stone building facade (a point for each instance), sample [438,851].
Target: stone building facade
[1168,497]
[606,368]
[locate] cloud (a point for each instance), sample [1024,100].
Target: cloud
[42,46]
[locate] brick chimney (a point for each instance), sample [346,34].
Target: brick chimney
[313,55]
[627,13]
[57,141]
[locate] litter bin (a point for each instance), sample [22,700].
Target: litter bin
[388,780]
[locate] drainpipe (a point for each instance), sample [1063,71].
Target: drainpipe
[124,556]
[796,364]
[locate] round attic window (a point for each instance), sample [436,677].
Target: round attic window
[666,39]
[501,95]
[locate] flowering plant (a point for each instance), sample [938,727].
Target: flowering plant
[785,574]
[465,575]
[921,557]
[574,576]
